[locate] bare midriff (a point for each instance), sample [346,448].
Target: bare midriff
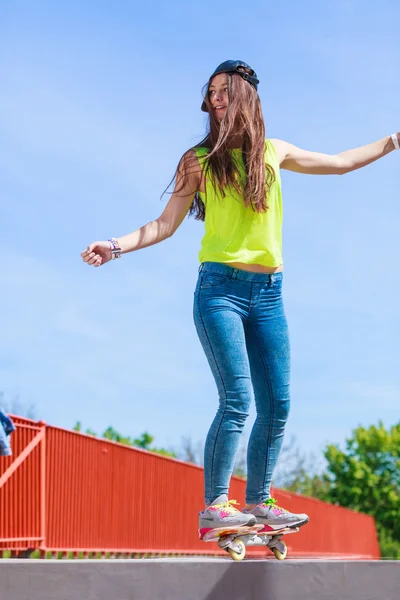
[255,268]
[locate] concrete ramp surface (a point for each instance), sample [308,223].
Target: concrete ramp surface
[198,579]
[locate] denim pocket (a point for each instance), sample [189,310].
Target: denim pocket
[211,279]
[276,281]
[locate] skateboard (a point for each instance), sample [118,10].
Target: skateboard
[235,539]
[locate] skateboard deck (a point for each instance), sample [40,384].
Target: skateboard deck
[213,535]
[283,531]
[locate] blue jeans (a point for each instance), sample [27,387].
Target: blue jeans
[242,327]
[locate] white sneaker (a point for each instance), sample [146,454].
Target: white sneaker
[222,513]
[273,517]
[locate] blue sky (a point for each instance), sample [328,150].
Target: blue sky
[98,102]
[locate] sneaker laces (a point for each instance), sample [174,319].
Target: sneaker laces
[227,506]
[272,503]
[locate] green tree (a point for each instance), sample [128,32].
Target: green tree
[313,485]
[112,434]
[366,475]
[78,427]
[144,441]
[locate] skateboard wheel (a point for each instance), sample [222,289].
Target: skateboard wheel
[281,552]
[239,552]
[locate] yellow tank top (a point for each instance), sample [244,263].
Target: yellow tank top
[234,233]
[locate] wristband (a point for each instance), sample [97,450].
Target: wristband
[115,249]
[395,141]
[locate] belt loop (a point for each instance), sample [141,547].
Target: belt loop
[201,267]
[234,273]
[271,279]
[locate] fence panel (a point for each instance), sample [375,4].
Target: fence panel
[21,510]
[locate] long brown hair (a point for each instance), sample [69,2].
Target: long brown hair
[244,118]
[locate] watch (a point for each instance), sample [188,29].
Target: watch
[115,249]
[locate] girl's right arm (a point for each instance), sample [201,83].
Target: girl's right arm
[187,184]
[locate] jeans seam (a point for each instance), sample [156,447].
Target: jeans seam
[223,384]
[272,407]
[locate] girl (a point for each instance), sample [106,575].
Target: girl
[231,181]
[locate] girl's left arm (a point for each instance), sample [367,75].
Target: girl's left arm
[316,163]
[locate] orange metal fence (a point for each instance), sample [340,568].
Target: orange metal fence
[22,488]
[67,491]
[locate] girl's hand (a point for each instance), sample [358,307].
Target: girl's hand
[97,254]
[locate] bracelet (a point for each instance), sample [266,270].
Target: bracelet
[115,249]
[395,141]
